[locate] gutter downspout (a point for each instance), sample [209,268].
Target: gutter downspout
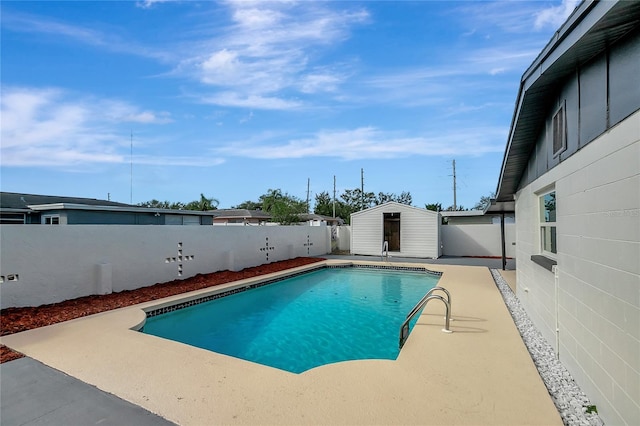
[504,249]
[556,285]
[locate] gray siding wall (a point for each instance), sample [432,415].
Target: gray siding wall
[92,217]
[598,96]
[418,231]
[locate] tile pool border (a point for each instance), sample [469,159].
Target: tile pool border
[186,304]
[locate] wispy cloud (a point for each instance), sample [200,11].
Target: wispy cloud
[483,19]
[147,4]
[23,22]
[269,49]
[51,127]
[373,143]
[234,99]
[555,16]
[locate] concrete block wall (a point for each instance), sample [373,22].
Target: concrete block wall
[477,240]
[598,271]
[47,264]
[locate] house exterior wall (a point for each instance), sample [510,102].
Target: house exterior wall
[106,217]
[48,264]
[419,235]
[477,240]
[593,298]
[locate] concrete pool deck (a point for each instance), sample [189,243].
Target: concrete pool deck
[480,374]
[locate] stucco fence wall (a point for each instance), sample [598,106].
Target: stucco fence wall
[48,264]
[477,240]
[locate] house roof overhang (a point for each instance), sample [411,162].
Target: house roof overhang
[500,207]
[592,27]
[461,213]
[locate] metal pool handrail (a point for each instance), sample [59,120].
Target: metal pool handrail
[385,249]
[404,329]
[429,293]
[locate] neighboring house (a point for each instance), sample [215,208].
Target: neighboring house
[572,166]
[240,217]
[313,219]
[409,231]
[16,208]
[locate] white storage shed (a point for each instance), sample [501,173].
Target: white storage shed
[409,231]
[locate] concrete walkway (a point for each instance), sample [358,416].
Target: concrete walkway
[479,375]
[34,394]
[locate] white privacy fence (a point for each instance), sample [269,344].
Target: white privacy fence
[477,240]
[48,264]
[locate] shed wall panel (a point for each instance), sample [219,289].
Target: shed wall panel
[418,231]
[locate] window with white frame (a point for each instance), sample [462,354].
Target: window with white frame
[548,236]
[559,131]
[51,220]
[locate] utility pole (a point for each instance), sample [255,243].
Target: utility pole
[362,188]
[131,170]
[308,183]
[334,196]
[455,206]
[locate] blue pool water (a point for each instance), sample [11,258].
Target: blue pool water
[321,317]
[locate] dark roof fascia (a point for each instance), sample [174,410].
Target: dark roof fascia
[569,47]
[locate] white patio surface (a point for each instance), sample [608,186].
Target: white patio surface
[481,374]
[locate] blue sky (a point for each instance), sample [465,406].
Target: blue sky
[233,98]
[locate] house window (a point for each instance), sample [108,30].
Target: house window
[51,220]
[12,218]
[559,131]
[548,236]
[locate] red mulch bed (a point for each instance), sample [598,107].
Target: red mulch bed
[15,320]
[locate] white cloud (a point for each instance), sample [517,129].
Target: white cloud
[269,49]
[320,82]
[175,161]
[147,4]
[239,100]
[370,142]
[50,127]
[555,16]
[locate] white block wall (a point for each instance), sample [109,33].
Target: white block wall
[42,264]
[477,240]
[598,285]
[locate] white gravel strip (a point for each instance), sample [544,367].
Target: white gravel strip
[571,402]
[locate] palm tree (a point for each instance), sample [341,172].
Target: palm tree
[203,204]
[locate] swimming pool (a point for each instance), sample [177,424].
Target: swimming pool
[320,317]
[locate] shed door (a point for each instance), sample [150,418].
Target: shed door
[392,230]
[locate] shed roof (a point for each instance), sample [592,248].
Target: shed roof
[400,206]
[587,32]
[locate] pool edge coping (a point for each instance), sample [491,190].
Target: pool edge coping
[185,300]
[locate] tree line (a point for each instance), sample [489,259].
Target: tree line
[286,209]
